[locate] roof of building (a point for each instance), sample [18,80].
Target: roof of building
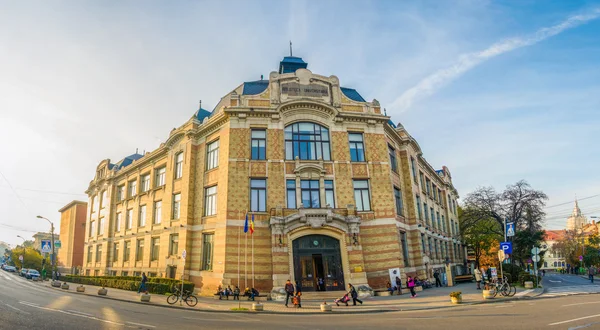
[392,124]
[127,160]
[73,203]
[352,94]
[553,235]
[291,63]
[255,87]
[202,113]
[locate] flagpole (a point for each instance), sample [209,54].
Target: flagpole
[239,237]
[252,234]
[246,259]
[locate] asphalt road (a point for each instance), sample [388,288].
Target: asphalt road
[553,280]
[28,305]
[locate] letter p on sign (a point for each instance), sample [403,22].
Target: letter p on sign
[506,247]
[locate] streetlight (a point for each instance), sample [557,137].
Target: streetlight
[51,232]
[19,236]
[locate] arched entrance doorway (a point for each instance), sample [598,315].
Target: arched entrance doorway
[318,263]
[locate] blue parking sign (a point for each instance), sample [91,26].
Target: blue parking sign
[506,247]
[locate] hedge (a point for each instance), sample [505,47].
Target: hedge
[525,277]
[156,285]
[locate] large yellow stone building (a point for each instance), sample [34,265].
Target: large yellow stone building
[336,190]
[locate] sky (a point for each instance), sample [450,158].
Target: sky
[497,91]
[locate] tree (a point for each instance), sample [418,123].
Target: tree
[524,241]
[479,234]
[31,258]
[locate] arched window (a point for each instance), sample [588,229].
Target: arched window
[307,141]
[555,264]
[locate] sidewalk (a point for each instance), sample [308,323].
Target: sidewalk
[433,298]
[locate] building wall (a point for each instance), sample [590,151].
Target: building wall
[72,231]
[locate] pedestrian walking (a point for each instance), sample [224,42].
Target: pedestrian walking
[591,273]
[399,285]
[436,275]
[142,287]
[354,294]
[478,278]
[410,284]
[289,291]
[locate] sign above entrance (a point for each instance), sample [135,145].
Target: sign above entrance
[310,90]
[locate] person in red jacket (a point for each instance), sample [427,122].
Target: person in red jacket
[289,291]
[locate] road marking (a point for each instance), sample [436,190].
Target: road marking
[78,312]
[69,313]
[15,308]
[522,293]
[228,319]
[555,281]
[577,319]
[585,303]
[141,324]
[28,303]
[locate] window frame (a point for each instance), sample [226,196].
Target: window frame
[405,252]
[179,165]
[356,154]
[212,154]
[329,190]
[259,191]
[176,208]
[311,191]
[319,142]
[208,254]
[101,226]
[157,212]
[145,183]
[171,244]
[399,202]
[362,192]
[289,189]
[132,188]
[139,249]
[160,176]
[118,220]
[90,254]
[393,158]
[261,144]
[129,219]
[142,213]
[210,201]
[154,248]
[98,253]
[127,250]
[115,251]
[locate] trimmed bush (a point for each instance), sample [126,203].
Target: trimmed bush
[512,272]
[132,283]
[525,277]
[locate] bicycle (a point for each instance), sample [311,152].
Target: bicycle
[187,296]
[504,287]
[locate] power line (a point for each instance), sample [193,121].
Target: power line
[573,201]
[17,228]
[51,192]
[13,190]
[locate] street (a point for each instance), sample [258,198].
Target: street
[30,305]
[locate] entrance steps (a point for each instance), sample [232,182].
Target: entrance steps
[322,295]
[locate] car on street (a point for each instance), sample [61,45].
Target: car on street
[32,274]
[23,272]
[11,269]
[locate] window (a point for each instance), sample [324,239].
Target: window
[173,244]
[258,195]
[404,248]
[101,226]
[440,197]
[116,252]
[434,192]
[310,193]
[399,205]
[92,228]
[259,144]
[157,218]
[118,222]
[129,219]
[89,254]
[393,162]
[139,251]
[176,206]
[95,204]
[361,195]
[98,252]
[207,251]
[357,147]
[291,193]
[127,251]
[430,247]
[422,180]
[307,141]
[160,174]
[179,165]
[329,195]
[103,200]
[423,243]
[131,188]
[212,155]
[121,192]
[444,223]
[155,249]
[142,216]
[210,201]
[426,213]
[428,187]
[437,216]
[419,214]
[145,183]
[413,168]
[432,217]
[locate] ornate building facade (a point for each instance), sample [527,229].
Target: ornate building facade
[336,190]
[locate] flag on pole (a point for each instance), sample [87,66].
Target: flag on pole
[252,225]
[246,224]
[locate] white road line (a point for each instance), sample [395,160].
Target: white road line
[28,303]
[78,312]
[15,308]
[73,314]
[577,319]
[141,324]
[585,303]
[554,281]
[228,319]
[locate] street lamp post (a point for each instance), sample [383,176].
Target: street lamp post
[51,232]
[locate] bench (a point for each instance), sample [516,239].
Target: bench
[242,297]
[463,278]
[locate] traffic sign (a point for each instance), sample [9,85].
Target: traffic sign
[535,258]
[506,247]
[57,243]
[184,254]
[535,251]
[510,229]
[501,255]
[580,258]
[46,246]
[21,258]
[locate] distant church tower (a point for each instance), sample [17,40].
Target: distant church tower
[576,221]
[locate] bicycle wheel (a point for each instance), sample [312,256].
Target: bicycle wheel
[172,299]
[513,291]
[495,291]
[505,290]
[191,301]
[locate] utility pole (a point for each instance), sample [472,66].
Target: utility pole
[53,255]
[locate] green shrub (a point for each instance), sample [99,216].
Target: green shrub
[511,272]
[154,285]
[526,277]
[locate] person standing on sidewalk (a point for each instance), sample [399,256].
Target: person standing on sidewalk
[436,275]
[354,294]
[142,287]
[399,285]
[410,283]
[591,273]
[478,278]
[289,291]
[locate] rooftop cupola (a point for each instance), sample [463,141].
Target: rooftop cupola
[291,63]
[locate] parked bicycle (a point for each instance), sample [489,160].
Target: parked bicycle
[187,296]
[504,287]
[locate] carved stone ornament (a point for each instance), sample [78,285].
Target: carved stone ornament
[314,218]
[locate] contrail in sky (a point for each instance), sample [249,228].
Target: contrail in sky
[466,62]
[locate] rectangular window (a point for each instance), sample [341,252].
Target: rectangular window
[258,195]
[145,182]
[423,243]
[210,200]
[291,193]
[121,192]
[425,209]
[422,177]
[399,204]
[101,226]
[157,217]
[437,217]
[174,244]
[444,223]
[132,188]
[310,193]
[98,252]
[207,251]
[413,168]
[212,155]
[432,217]
[118,222]
[357,147]
[160,175]
[142,216]
[176,206]
[95,204]
[103,200]
[428,187]
[139,251]
[393,162]
[129,219]
[419,213]
[434,192]
[155,249]
[259,144]
[361,195]
[430,247]
[116,252]
[440,196]
[89,254]
[179,165]
[329,195]
[404,248]
[127,251]
[124,273]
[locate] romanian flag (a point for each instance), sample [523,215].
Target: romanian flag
[251,225]
[246,224]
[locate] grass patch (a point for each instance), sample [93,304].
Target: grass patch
[239,309]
